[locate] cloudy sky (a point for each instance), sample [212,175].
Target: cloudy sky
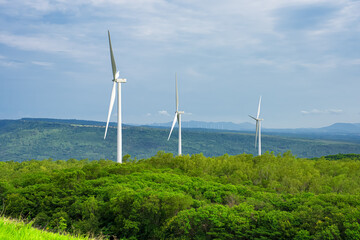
[301,56]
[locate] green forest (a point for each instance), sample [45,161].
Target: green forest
[273,196]
[64,139]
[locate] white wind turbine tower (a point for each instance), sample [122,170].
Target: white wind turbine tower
[177,117]
[117,81]
[258,127]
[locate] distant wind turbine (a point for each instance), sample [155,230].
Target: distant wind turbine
[258,127]
[177,117]
[117,81]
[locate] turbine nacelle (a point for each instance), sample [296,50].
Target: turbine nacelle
[119,80]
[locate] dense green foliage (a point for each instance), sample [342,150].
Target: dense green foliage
[340,156]
[24,140]
[189,197]
[14,230]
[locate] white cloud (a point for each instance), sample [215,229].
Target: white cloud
[319,63]
[40,5]
[201,23]
[164,113]
[5,62]
[354,61]
[346,20]
[43,64]
[53,43]
[317,111]
[33,43]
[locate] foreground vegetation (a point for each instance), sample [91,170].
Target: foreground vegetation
[189,197]
[24,140]
[15,230]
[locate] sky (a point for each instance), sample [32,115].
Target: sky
[301,56]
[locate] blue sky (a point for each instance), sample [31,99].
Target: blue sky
[302,56]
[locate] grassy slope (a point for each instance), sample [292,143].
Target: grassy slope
[23,140]
[15,230]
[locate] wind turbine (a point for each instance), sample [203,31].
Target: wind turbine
[117,81]
[258,127]
[177,117]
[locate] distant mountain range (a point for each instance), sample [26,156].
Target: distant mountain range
[337,128]
[246,126]
[70,121]
[343,128]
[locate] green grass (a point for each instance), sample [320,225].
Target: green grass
[16,230]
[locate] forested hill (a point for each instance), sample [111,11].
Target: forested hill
[188,197]
[64,139]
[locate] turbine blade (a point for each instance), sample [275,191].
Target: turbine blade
[258,113]
[112,100]
[173,124]
[253,117]
[257,131]
[113,65]
[177,95]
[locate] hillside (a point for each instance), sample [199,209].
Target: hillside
[334,129]
[41,139]
[210,125]
[189,197]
